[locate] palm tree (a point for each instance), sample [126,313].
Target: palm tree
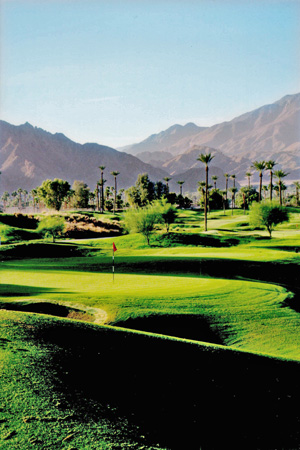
[20,192]
[34,195]
[249,175]
[297,186]
[233,191]
[269,166]
[280,174]
[180,184]
[115,174]
[102,189]
[233,177]
[205,158]
[259,166]
[201,189]
[5,198]
[226,175]
[265,189]
[167,179]
[214,178]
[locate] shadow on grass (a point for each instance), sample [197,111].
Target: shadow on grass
[41,250]
[49,308]
[16,290]
[182,395]
[187,326]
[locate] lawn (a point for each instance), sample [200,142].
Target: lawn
[232,292]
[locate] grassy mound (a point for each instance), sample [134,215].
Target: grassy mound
[92,387]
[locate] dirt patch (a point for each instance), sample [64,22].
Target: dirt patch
[76,312]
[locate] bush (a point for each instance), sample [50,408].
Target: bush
[268,214]
[52,226]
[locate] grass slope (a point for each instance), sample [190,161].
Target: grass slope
[103,387]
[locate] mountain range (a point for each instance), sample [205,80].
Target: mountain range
[29,155]
[269,132]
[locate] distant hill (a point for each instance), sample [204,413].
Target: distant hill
[269,132]
[29,155]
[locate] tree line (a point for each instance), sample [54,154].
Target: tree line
[57,193]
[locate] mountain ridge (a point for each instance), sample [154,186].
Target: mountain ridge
[29,155]
[259,133]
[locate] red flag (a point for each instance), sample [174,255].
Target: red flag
[114,247]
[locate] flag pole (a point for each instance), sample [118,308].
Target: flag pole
[114,249]
[113,266]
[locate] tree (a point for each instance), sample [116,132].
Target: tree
[34,196]
[259,166]
[226,175]
[180,185]
[205,158]
[233,191]
[249,175]
[245,197]
[214,178]
[268,214]
[297,186]
[54,192]
[142,193]
[142,220]
[115,174]
[167,179]
[101,184]
[81,194]
[269,166]
[233,177]
[20,192]
[167,211]
[51,226]
[5,198]
[280,174]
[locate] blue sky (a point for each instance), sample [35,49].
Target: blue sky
[114,72]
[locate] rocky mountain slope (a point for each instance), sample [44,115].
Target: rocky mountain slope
[29,155]
[269,132]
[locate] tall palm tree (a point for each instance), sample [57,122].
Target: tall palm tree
[20,192]
[269,166]
[280,174]
[214,178]
[201,189]
[259,166]
[115,174]
[205,158]
[226,175]
[233,177]
[233,191]
[297,186]
[102,189]
[249,175]
[180,184]
[5,198]
[34,195]
[167,179]
[265,190]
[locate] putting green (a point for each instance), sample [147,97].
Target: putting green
[247,315]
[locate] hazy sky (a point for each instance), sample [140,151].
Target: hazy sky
[114,72]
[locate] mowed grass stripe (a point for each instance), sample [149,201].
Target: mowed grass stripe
[248,315]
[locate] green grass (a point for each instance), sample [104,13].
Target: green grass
[241,284]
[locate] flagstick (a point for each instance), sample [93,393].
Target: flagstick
[113,266]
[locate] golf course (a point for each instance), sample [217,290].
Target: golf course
[190,342]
